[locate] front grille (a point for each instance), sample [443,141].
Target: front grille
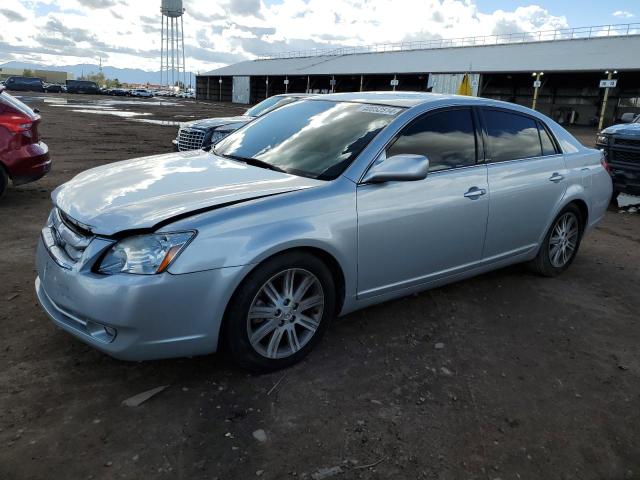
[627,141]
[65,241]
[189,139]
[625,156]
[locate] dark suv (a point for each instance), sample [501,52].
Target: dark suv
[24,84]
[23,157]
[82,86]
[621,145]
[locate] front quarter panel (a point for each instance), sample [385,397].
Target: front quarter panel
[250,232]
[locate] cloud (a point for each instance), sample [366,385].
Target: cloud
[98,3]
[12,16]
[219,32]
[244,7]
[623,14]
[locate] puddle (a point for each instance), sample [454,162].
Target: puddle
[628,203]
[111,106]
[164,123]
[86,107]
[117,113]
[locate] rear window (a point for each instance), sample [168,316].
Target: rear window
[548,147]
[511,136]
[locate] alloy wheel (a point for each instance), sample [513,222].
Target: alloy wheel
[285,313]
[564,240]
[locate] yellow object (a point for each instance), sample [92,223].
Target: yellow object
[465,87]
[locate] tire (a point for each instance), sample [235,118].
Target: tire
[4,181]
[549,262]
[614,197]
[292,323]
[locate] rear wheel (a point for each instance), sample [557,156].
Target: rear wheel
[280,312]
[4,181]
[561,244]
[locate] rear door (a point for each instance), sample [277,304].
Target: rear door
[527,179]
[410,233]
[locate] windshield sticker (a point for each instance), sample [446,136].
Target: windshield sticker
[379,109]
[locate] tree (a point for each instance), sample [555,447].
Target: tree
[27,72]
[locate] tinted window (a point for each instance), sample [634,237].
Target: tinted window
[511,136]
[548,147]
[446,138]
[313,138]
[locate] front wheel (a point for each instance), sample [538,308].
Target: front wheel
[280,312]
[561,243]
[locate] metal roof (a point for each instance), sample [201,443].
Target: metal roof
[590,54]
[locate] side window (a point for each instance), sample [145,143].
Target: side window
[447,138]
[548,147]
[511,136]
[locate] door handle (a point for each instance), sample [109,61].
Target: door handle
[475,192]
[556,177]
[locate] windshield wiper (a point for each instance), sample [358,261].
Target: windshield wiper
[252,161]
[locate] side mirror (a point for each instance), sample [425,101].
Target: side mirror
[399,168]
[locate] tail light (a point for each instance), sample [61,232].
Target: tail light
[25,127]
[16,123]
[603,162]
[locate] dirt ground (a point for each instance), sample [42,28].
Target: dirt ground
[535,379]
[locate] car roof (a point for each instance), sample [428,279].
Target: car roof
[294,95]
[413,99]
[393,99]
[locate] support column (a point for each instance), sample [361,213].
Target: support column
[361,83]
[161,47]
[184,71]
[604,101]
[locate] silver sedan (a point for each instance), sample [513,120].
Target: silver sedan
[319,208]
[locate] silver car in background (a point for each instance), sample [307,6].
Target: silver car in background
[205,132]
[322,207]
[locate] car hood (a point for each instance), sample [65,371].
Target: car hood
[144,192]
[632,129]
[207,123]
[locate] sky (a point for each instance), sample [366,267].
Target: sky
[126,33]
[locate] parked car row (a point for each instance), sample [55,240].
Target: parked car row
[35,84]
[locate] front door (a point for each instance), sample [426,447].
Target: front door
[410,233]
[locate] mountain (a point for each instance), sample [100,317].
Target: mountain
[126,75]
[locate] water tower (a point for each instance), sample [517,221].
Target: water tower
[172,43]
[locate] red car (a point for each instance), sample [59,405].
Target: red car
[23,157]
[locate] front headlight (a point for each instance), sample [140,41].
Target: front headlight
[602,140]
[218,135]
[144,254]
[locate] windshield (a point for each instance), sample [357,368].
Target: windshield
[312,138]
[637,120]
[269,104]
